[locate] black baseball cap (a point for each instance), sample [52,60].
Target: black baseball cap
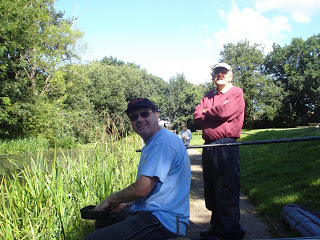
[140,103]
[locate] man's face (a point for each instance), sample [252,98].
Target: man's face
[144,122]
[221,76]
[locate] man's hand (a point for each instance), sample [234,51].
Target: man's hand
[104,205]
[114,208]
[117,208]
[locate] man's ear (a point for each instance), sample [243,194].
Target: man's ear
[230,79]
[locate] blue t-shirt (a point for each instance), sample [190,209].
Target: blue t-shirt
[165,157]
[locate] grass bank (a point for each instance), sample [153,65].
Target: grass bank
[276,174]
[41,202]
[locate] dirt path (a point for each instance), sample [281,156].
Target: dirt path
[200,216]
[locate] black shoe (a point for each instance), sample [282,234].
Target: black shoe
[208,232]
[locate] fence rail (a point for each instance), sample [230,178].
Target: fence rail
[283,140]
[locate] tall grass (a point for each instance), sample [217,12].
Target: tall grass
[33,145]
[22,146]
[42,202]
[273,175]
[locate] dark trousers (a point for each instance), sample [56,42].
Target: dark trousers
[130,226]
[221,175]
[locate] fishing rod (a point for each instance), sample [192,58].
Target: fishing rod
[299,139]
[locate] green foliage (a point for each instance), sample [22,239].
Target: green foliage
[35,41]
[181,100]
[102,91]
[76,105]
[276,174]
[44,119]
[296,68]
[263,97]
[13,117]
[106,89]
[7,110]
[115,62]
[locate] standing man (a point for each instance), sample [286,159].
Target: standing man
[185,135]
[159,198]
[221,115]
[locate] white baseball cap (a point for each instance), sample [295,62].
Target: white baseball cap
[223,65]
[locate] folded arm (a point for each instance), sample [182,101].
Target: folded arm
[219,111]
[228,109]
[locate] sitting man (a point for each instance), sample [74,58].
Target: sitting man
[160,195]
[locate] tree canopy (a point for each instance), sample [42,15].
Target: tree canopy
[295,68]
[35,42]
[181,99]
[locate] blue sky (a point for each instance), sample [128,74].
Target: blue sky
[185,36]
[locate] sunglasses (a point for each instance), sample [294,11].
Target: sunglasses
[217,71]
[135,116]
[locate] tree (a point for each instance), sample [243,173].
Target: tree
[296,68]
[101,91]
[262,96]
[115,62]
[181,100]
[35,41]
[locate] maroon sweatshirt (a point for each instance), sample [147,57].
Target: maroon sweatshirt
[224,116]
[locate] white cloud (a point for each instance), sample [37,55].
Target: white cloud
[183,29]
[208,42]
[189,28]
[221,14]
[300,11]
[251,25]
[204,36]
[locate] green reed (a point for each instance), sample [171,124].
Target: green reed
[27,145]
[44,202]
